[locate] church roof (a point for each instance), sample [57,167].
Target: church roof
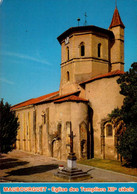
[106,75]
[72,98]
[116,20]
[52,97]
[35,100]
[58,97]
[83,29]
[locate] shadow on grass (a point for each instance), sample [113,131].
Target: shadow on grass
[32,170]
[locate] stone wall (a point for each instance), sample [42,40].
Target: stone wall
[104,96]
[44,129]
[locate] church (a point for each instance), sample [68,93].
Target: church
[92,59]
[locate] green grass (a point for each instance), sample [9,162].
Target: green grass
[109,165]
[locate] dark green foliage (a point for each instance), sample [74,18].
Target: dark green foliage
[127,131]
[128,85]
[128,145]
[8,128]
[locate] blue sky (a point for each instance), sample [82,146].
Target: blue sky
[30,54]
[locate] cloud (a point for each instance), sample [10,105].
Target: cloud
[4,80]
[1,1]
[25,57]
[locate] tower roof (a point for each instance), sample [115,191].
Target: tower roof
[116,20]
[78,29]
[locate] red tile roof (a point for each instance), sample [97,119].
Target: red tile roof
[72,98]
[35,100]
[21,104]
[43,99]
[54,97]
[110,74]
[59,97]
[116,20]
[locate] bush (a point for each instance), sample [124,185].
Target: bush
[8,128]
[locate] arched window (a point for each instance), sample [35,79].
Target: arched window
[82,49]
[68,76]
[99,50]
[67,53]
[109,131]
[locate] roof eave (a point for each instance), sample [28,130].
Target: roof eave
[22,108]
[59,97]
[69,100]
[97,78]
[84,28]
[116,26]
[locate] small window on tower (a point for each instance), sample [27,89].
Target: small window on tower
[67,53]
[82,49]
[68,76]
[99,50]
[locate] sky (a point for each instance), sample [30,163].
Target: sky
[30,54]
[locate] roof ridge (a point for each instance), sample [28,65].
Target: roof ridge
[109,74]
[71,98]
[58,97]
[46,94]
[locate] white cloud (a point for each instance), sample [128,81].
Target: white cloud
[1,1]
[4,80]
[25,57]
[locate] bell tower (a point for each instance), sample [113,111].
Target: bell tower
[84,54]
[117,47]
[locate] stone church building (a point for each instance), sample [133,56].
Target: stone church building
[92,59]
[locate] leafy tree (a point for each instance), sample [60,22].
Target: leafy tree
[125,119]
[8,128]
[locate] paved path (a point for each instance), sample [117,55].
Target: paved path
[19,166]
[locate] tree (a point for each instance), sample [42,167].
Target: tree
[8,128]
[125,118]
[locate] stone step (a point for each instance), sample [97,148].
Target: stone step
[71,172]
[82,175]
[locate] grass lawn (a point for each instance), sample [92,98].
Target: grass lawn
[109,165]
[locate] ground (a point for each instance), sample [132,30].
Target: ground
[19,166]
